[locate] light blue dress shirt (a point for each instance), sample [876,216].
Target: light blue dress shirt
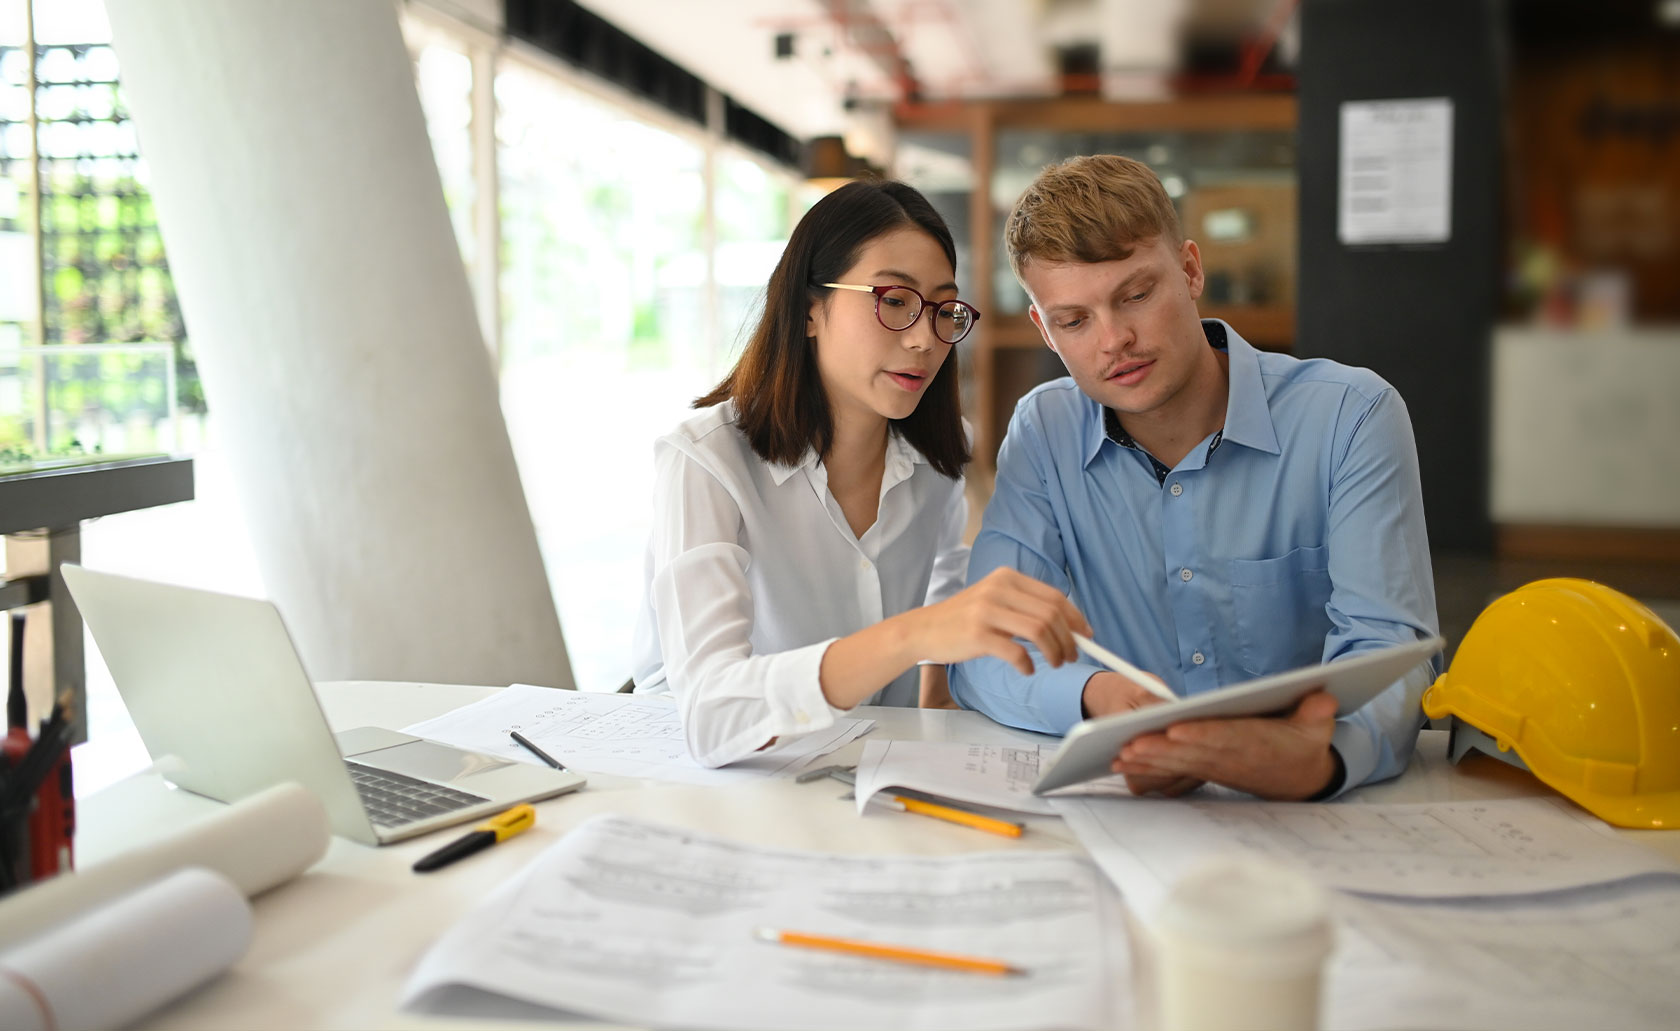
[1294,535]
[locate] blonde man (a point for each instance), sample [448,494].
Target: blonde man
[1217,513]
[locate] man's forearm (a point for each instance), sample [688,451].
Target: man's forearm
[1047,702]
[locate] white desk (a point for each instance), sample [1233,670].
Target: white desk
[333,947]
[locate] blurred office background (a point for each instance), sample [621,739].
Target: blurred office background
[621,176]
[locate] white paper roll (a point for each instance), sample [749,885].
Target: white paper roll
[114,964]
[256,843]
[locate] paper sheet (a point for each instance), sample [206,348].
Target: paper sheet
[1545,919]
[623,734]
[1000,776]
[1418,850]
[1605,956]
[631,921]
[995,775]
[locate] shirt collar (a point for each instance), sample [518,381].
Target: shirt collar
[1248,418]
[902,459]
[1096,427]
[780,472]
[902,452]
[1248,415]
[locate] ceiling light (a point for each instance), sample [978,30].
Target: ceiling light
[828,164]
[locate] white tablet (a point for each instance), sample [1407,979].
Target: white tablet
[1090,747]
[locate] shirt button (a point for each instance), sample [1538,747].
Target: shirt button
[802,717]
[1185,575]
[863,563]
[1177,489]
[1198,658]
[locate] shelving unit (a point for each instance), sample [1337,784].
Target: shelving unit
[974,158]
[41,516]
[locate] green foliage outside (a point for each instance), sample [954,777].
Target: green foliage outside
[105,276]
[108,282]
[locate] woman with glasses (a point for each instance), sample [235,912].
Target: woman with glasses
[807,549]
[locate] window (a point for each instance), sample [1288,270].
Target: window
[443,76]
[18,276]
[99,280]
[753,207]
[614,317]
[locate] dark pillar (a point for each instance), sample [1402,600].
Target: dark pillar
[1421,315]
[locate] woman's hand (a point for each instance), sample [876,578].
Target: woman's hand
[984,619]
[987,617]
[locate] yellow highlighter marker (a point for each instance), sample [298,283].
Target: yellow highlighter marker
[496,829]
[896,953]
[950,814]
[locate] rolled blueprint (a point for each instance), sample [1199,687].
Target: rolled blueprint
[117,962]
[257,843]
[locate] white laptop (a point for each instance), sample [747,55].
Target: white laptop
[222,702]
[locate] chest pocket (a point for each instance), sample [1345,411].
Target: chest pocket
[1279,605]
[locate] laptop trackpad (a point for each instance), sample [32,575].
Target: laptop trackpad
[430,761]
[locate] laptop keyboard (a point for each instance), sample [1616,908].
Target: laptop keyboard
[392,799]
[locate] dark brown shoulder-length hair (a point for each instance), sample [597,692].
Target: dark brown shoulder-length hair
[778,393]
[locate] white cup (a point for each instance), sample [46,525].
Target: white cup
[1237,945]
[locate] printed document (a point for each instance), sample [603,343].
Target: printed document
[1000,776]
[631,921]
[1602,956]
[1418,850]
[996,775]
[623,734]
[1524,913]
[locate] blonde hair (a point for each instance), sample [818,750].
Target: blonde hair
[1089,209]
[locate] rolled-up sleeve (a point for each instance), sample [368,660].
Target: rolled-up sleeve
[731,701]
[1020,532]
[1382,584]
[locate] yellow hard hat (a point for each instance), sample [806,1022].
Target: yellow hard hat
[1583,683]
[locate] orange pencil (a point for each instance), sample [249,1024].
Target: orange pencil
[949,813]
[896,953]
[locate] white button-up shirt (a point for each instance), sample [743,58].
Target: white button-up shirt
[752,572]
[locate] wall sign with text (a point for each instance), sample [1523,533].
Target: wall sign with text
[1395,174]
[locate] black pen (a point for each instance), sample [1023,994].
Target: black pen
[526,743]
[497,828]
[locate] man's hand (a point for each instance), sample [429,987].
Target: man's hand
[1282,759]
[1108,693]
[936,689]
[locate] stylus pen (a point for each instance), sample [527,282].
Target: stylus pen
[526,743]
[896,953]
[496,829]
[1124,668]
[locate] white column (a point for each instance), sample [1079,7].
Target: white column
[335,332]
